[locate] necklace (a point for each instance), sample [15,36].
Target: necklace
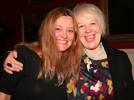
[96,55]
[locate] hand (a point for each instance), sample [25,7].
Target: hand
[16,66]
[4,96]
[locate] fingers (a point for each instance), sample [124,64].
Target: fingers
[14,53]
[16,63]
[8,71]
[16,66]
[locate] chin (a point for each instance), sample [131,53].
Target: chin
[62,50]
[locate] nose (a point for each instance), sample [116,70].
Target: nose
[87,29]
[64,34]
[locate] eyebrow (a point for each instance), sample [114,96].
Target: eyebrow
[61,26]
[70,27]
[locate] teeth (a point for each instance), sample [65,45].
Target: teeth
[61,41]
[89,37]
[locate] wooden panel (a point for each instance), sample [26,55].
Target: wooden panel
[120,20]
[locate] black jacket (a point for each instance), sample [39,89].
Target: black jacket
[121,71]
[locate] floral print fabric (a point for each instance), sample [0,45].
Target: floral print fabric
[95,82]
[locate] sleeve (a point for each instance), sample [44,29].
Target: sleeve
[9,82]
[128,79]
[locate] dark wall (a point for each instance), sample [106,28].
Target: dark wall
[121,21]
[11,10]
[121,15]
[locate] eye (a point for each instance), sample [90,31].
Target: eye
[80,26]
[93,23]
[57,29]
[70,31]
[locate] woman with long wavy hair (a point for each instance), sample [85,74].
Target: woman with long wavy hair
[46,62]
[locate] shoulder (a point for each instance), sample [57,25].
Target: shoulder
[113,51]
[23,49]
[24,53]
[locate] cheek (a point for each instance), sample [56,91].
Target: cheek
[71,37]
[56,34]
[98,32]
[80,33]
[81,30]
[96,28]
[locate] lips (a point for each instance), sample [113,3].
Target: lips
[89,38]
[61,41]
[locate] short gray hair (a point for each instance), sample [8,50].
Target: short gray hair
[85,9]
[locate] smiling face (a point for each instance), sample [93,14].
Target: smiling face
[89,31]
[64,32]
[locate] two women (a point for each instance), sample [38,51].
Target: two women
[105,73]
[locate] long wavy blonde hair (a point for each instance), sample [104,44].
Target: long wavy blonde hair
[51,62]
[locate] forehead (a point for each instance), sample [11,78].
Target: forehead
[64,18]
[64,21]
[85,18]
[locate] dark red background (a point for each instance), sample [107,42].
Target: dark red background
[10,13]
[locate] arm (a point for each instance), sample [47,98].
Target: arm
[4,96]
[128,79]
[16,66]
[9,82]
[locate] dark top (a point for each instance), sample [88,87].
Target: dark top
[121,71]
[25,84]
